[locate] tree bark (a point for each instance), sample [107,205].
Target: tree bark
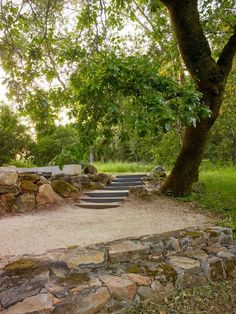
[210,79]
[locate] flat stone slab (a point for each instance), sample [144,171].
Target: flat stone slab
[183,262]
[127,250]
[101,200]
[107,194]
[98,205]
[77,258]
[119,287]
[41,302]
[118,188]
[125,183]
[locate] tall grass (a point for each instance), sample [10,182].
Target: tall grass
[123,167]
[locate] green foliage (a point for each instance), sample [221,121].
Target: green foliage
[14,139]
[128,92]
[61,146]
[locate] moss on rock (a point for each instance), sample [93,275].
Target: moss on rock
[64,189]
[20,267]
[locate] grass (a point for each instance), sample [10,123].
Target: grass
[212,298]
[123,167]
[216,192]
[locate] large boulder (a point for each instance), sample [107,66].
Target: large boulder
[64,188]
[47,195]
[29,176]
[5,189]
[100,177]
[28,187]
[7,202]
[8,177]
[89,169]
[25,203]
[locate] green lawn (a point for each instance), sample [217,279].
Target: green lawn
[216,192]
[123,167]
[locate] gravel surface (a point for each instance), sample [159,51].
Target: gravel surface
[63,226]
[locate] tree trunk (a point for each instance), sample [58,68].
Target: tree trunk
[210,79]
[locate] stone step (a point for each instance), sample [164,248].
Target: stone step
[98,205]
[126,183]
[102,200]
[131,176]
[127,180]
[118,188]
[108,194]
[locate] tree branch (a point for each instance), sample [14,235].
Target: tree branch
[227,54]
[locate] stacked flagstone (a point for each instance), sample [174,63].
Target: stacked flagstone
[109,277]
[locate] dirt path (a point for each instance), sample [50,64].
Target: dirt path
[68,225]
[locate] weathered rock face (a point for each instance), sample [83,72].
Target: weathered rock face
[90,170]
[64,188]
[109,277]
[156,176]
[47,195]
[28,187]
[25,203]
[137,192]
[8,177]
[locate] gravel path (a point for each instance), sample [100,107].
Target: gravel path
[68,225]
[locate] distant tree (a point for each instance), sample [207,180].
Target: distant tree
[14,139]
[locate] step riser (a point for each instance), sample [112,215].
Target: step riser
[118,188]
[102,200]
[110,194]
[98,206]
[132,176]
[126,183]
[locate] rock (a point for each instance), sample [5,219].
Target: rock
[76,258]
[14,189]
[28,187]
[127,251]
[172,245]
[139,280]
[91,303]
[84,181]
[100,177]
[22,267]
[229,263]
[42,180]
[144,292]
[41,303]
[47,195]
[215,249]
[120,288]
[219,235]
[162,291]
[217,271]
[183,262]
[197,254]
[7,201]
[25,203]
[19,293]
[137,191]
[29,176]
[8,177]
[64,188]
[89,169]
[158,249]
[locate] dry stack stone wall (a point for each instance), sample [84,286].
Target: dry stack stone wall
[111,277]
[24,192]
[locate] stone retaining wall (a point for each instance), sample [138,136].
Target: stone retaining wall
[26,191]
[110,277]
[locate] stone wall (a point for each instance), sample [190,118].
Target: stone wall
[110,277]
[22,192]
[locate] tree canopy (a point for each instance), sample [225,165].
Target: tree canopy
[110,62]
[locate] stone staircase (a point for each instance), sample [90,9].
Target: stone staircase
[112,195]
